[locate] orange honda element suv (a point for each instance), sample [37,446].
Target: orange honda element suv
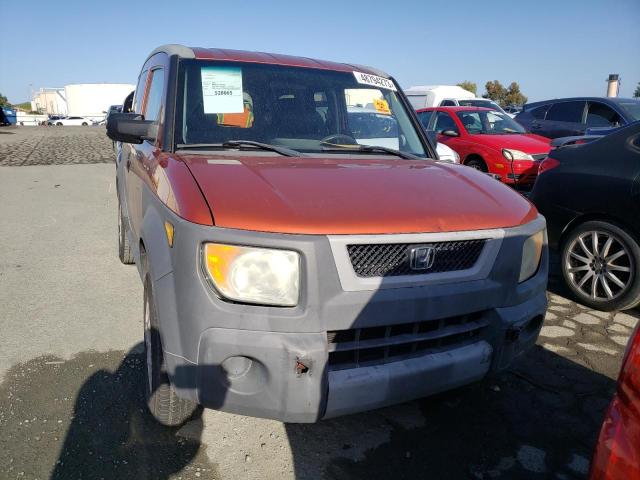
[301,261]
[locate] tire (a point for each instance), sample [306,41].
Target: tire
[124,248]
[84,124]
[59,124]
[162,400]
[607,280]
[478,164]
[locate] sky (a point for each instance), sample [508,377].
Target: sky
[553,49]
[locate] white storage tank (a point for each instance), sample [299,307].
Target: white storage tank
[92,99]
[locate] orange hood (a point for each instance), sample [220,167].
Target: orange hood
[352,195]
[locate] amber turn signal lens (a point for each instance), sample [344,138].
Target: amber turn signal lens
[168,228]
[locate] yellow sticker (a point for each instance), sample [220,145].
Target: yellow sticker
[382,106]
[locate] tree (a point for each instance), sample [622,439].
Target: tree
[514,96]
[3,101]
[504,96]
[469,86]
[636,94]
[495,91]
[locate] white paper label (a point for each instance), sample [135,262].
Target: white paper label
[222,89]
[374,81]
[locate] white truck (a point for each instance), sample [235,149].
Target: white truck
[424,96]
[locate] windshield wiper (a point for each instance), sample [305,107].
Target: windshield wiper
[287,152]
[372,149]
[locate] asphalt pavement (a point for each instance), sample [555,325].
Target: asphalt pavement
[71,370]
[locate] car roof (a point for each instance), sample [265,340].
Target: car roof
[457,109]
[228,55]
[580,99]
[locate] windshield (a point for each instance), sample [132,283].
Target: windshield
[632,108]
[479,103]
[308,110]
[489,122]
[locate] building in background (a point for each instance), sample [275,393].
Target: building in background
[89,100]
[51,101]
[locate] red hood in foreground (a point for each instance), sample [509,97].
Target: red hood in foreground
[351,195]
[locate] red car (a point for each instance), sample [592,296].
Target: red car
[617,454]
[489,141]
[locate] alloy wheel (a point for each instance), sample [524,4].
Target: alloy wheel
[599,265]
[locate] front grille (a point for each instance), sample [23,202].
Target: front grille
[539,156]
[377,345]
[393,259]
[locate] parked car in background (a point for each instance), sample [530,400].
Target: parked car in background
[447,154]
[71,121]
[294,265]
[446,96]
[573,116]
[590,195]
[112,109]
[617,452]
[489,141]
[7,116]
[513,109]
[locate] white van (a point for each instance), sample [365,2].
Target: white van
[446,96]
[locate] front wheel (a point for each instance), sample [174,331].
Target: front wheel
[599,265]
[84,124]
[163,401]
[59,124]
[478,164]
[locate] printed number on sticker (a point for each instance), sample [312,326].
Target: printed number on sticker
[374,80]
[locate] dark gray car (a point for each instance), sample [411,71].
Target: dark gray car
[572,116]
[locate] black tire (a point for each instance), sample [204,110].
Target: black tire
[124,248]
[84,124]
[477,163]
[607,280]
[59,124]
[162,400]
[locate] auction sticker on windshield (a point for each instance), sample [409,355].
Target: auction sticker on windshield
[374,80]
[222,89]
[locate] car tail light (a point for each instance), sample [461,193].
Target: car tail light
[617,453]
[547,164]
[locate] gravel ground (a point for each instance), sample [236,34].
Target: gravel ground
[71,403]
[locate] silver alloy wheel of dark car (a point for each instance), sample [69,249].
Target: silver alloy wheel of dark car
[599,265]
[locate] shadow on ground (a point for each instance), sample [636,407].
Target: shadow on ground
[86,418]
[538,420]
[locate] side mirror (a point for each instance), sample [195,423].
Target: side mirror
[130,128]
[450,133]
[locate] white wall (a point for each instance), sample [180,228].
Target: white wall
[92,99]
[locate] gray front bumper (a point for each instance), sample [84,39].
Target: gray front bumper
[200,331]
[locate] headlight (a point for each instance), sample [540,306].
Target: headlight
[456,157]
[253,275]
[531,253]
[512,155]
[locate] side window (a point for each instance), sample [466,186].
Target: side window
[447,103]
[601,115]
[424,118]
[471,121]
[139,93]
[566,112]
[153,103]
[539,112]
[417,101]
[444,122]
